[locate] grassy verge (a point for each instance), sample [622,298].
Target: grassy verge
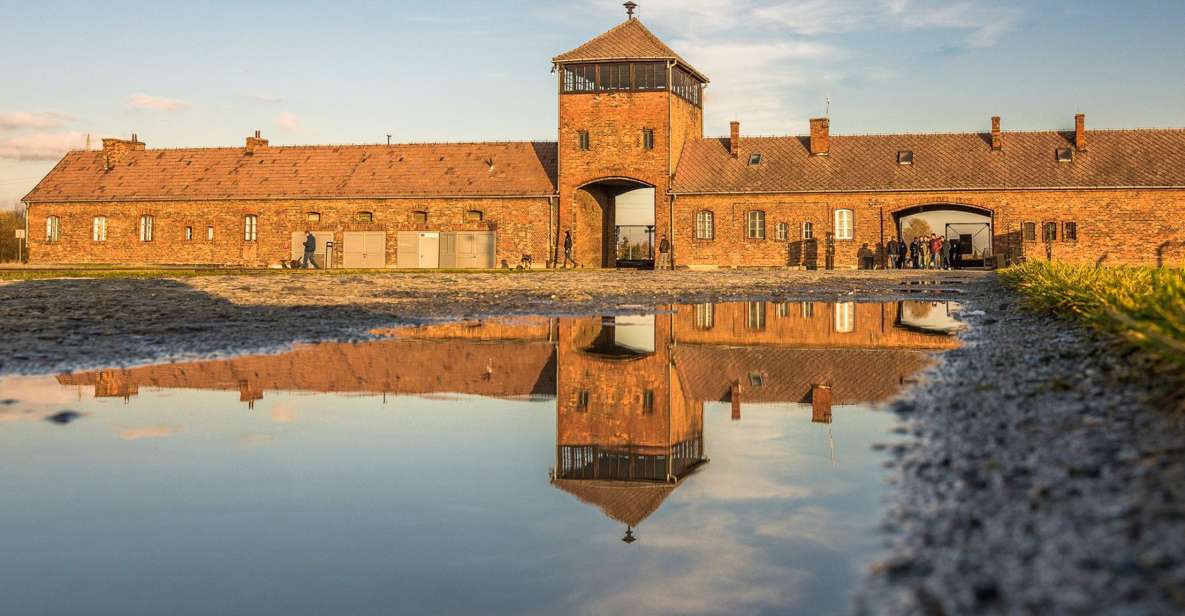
[1142,307]
[67,272]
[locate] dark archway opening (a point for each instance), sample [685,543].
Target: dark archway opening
[614,224]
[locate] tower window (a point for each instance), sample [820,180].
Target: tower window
[615,76]
[845,318]
[580,78]
[756,316]
[648,139]
[584,140]
[650,76]
[705,316]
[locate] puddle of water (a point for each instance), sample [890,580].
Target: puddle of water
[703,459]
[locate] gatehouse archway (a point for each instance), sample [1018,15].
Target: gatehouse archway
[971,225]
[614,224]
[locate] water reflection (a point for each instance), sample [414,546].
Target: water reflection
[701,436]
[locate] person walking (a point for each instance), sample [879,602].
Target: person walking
[568,250]
[664,253]
[891,261]
[310,251]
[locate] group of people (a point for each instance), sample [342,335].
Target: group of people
[934,252]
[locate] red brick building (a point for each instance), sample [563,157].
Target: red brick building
[630,123]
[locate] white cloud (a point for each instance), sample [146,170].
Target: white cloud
[982,23]
[40,146]
[271,99]
[155,103]
[288,121]
[22,119]
[150,432]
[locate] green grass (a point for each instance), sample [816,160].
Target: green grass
[114,272]
[1141,307]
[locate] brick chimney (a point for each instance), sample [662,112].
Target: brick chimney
[116,151]
[1080,132]
[997,138]
[734,145]
[820,137]
[256,143]
[735,394]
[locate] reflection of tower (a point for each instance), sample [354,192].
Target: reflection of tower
[249,393]
[626,432]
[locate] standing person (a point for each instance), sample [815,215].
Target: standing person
[310,251]
[935,251]
[913,253]
[891,261]
[945,249]
[956,253]
[568,250]
[901,254]
[664,253]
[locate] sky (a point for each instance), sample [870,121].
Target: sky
[210,73]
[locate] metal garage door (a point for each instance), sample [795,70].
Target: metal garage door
[364,249]
[418,250]
[467,250]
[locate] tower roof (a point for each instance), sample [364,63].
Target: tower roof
[629,40]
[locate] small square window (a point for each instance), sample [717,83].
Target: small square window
[905,157]
[474,216]
[755,159]
[1065,155]
[314,217]
[420,217]
[756,379]
[364,217]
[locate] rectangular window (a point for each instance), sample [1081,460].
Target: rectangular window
[808,310]
[648,402]
[580,78]
[1065,155]
[474,216]
[53,229]
[755,227]
[844,227]
[99,229]
[808,231]
[1049,232]
[705,316]
[1030,231]
[146,228]
[650,76]
[364,217]
[209,234]
[705,225]
[614,77]
[783,232]
[845,318]
[756,319]
[582,400]
[419,217]
[685,86]
[905,157]
[585,144]
[783,310]
[313,216]
[189,234]
[250,228]
[648,139]
[1070,232]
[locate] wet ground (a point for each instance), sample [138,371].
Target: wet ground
[707,458]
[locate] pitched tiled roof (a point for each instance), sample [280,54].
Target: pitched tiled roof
[361,171]
[629,40]
[627,502]
[1115,158]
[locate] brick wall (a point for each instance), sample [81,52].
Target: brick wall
[520,223]
[1141,227]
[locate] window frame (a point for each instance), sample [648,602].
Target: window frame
[209,233]
[188,233]
[578,78]
[1028,231]
[755,317]
[782,232]
[756,231]
[905,158]
[845,233]
[1064,155]
[647,139]
[99,229]
[250,227]
[419,217]
[364,217]
[147,228]
[1070,231]
[583,140]
[755,159]
[705,225]
[473,216]
[312,216]
[1049,232]
[808,231]
[705,316]
[53,229]
[614,77]
[845,317]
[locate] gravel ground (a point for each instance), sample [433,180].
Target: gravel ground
[1045,475]
[71,324]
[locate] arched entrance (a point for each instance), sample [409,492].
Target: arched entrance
[614,224]
[971,225]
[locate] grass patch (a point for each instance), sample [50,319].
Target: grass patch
[1142,307]
[68,272]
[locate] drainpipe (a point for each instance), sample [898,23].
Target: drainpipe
[552,221]
[671,230]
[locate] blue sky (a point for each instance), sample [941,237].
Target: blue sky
[209,73]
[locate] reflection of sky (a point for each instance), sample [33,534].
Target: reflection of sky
[187,502]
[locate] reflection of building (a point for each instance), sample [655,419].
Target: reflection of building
[630,391]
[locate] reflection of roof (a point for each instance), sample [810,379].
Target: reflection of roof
[496,369]
[869,162]
[855,375]
[628,502]
[449,169]
[629,40]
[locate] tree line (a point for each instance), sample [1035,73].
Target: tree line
[10,247]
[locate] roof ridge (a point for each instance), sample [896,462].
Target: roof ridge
[958,133]
[313,146]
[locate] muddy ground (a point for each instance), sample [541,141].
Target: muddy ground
[58,325]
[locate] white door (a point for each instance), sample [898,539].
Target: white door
[429,250]
[364,249]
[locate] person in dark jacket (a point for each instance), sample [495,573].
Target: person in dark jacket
[901,250]
[956,256]
[310,251]
[891,262]
[914,247]
[568,250]
[664,253]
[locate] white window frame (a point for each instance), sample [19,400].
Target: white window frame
[209,234]
[705,225]
[755,225]
[147,227]
[250,228]
[783,231]
[189,234]
[705,316]
[99,229]
[756,316]
[808,230]
[53,229]
[845,317]
[845,225]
